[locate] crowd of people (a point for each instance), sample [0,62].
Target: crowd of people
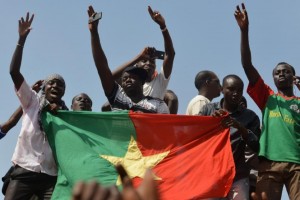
[270,147]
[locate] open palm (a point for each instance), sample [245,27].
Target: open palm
[25,25]
[241,17]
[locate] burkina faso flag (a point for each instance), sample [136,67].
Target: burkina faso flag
[190,155]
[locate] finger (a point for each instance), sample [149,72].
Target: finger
[243,6]
[238,8]
[114,193]
[101,193]
[31,19]
[264,196]
[27,16]
[216,114]
[150,11]
[126,181]
[22,20]
[254,196]
[89,190]
[91,11]
[77,191]
[148,188]
[121,171]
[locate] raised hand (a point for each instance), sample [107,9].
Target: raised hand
[93,26]
[157,17]
[241,17]
[37,86]
[147,53]
[25,25]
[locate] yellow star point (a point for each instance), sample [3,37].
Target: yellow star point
[134,162]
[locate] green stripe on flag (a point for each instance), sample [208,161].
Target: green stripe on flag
[78,140]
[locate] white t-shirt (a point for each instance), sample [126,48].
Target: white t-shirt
[32,151]
[158,86]
[196,105]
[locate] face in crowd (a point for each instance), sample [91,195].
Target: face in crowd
[149,66]
[54,90]
[131,82]
[233,90]
[82,102]
[283,75]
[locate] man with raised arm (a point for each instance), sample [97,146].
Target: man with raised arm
[280,139]
[156,83]
[35,170]
[129,95]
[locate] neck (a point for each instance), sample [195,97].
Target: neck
[206,94]
[229,107]
[136,96]
[286,92]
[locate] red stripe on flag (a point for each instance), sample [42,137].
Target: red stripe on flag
[199,164]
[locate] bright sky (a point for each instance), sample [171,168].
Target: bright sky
[204,33]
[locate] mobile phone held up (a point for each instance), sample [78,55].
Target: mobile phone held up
[159,55]
[95,17]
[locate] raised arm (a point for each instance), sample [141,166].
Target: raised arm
[15,65]
[169,49]
[243,22]
[100,60]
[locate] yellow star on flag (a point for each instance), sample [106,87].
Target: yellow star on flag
[134,162]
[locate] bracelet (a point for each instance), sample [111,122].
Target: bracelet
[164,29]
[20,45]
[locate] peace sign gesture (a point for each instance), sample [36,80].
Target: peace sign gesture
[25,25]
[242,17]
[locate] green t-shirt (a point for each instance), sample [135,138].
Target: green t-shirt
[280,138]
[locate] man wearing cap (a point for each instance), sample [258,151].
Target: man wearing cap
[35,169]
[129,95]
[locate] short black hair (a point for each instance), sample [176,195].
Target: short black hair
[202,77]
[285,63]
[233,76]
[81,94]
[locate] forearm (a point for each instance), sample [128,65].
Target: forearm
[169,53]
[15,64]
[250,71]
[13,120]
[118,72]
[101,63]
